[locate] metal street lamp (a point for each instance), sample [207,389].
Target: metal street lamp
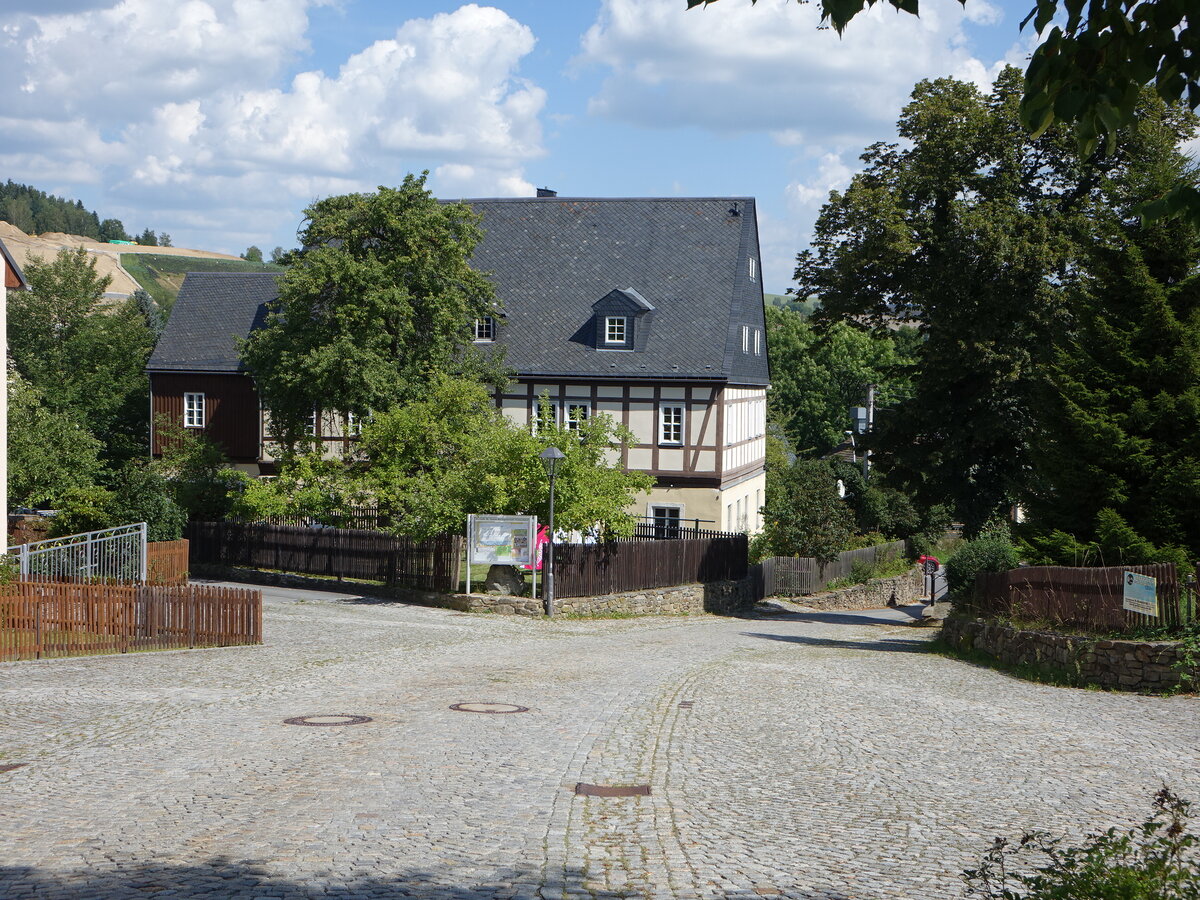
[550,456]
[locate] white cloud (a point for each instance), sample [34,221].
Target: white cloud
[189,111]
[732,68]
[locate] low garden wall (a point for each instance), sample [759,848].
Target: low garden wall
[902,590]
[723,598]
[1120,665]
[718,597]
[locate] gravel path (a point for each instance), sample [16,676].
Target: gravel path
[806,755]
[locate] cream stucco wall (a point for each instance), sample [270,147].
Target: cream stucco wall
[712,506]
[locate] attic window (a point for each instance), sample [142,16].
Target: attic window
[757,342]
[616,329]
[485,329]
[753,267]
[745,338]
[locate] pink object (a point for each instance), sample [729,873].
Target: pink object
[543,537]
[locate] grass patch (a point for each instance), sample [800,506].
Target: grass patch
[161,275]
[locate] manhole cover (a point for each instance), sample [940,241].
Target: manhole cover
[494,708]
[615,790]
[687,704]
[8,767]
[328,721]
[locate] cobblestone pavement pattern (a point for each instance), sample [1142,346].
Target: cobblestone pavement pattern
[823,756]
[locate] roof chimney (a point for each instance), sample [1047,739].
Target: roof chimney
[546,192]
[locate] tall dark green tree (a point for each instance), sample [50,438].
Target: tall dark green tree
[965,232]
[381,297]
[1121,414]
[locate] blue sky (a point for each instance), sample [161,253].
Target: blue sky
[218,121]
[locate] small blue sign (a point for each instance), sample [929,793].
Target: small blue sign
[1141,594]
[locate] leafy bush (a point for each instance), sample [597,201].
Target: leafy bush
[803,515]
[1116,543]
[992,551]
[1156,860]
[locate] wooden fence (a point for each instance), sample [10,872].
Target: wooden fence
[792,576]
[1085,598]
[586,570]
[48,619]
[434,564]
[167,562]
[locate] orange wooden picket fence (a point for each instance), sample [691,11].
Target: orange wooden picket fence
[54,619]
[167,562]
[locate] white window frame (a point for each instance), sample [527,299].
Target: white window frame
[753,267]
[535,415]
[745,338]
[485,330]
[614,325]
[572,422]
[193,409]
[353,425]
[310,427]
[757,342]
[674,521]
[670,431]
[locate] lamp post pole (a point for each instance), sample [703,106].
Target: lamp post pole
[550,456]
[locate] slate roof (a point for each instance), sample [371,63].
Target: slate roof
[213,310]
[551,259]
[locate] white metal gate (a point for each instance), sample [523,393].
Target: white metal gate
[112,554]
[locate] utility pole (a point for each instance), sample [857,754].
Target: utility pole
[866,460]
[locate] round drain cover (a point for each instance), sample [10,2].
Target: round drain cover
[489,708]
[327,721]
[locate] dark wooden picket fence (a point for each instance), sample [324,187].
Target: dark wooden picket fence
[587,570]
[1085,598]
[433,564]
[40,619]
[794,576]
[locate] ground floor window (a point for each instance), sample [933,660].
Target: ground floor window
[666,521]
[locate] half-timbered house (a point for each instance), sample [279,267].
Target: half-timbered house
[649,310]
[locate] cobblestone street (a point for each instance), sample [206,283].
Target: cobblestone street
[810,755]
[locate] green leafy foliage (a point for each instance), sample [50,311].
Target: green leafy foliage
[803,515]
[49,451]
[431,462]
[253,254]
[84,359]
[36,212]
[135,493]
[381,298]
[991,551]
[817,375]
[1155,860]
[197,474]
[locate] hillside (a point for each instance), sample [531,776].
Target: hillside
[128,265]
[161,275]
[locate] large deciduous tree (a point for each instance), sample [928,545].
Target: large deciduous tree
[382,296]
[84,358]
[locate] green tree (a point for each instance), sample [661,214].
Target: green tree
[1121,411]
[199,477]
[381,298]
[803,514]
[968,231]
[113,230]
[277,256]
[84,359]
[49,451]
[148,238]
[252,254]
[164,240]
[817,375]
[431,462]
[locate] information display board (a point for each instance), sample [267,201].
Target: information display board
[1141,594]
[501,540]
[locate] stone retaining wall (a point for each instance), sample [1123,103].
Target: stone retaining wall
[905,589]
[1120,665]
[720,597]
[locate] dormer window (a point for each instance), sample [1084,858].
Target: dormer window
[621,318]
[616,330]
[485,330]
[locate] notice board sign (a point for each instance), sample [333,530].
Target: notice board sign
[501,540]
[1141,594]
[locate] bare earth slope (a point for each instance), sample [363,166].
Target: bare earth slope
[108,256]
